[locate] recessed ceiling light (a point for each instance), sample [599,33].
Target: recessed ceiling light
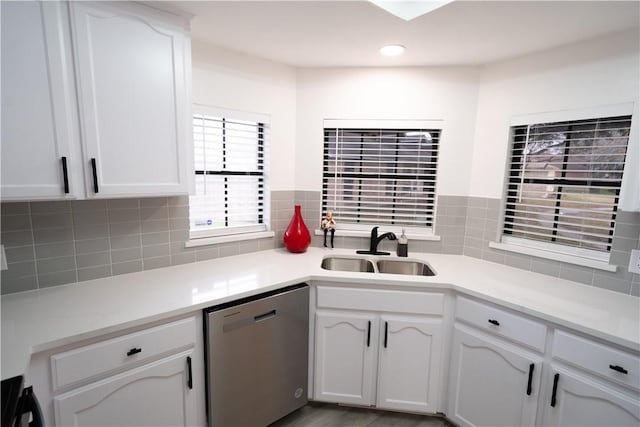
[392,50]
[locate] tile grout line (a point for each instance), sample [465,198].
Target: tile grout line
[169,231]
[73,238]
[140,234]
[33,245]
[110,247]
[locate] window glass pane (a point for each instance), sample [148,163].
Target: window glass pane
[380,176]
[564,181]
[229,158]
[243,210]
[206,209]
[533,213]
[241,146]
[586,216]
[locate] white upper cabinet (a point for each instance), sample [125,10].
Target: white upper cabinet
[39,131]
[96,93]
[132,67]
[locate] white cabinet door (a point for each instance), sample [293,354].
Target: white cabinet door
[132,65]
[489,382]
[38,103]
[581,402]
[156,394]
[346,349]
[409,369]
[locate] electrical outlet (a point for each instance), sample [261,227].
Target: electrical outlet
[634,262]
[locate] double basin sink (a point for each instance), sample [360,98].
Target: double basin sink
[384,266]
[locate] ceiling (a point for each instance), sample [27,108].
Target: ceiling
[349,33]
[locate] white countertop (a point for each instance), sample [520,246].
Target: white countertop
[40,320]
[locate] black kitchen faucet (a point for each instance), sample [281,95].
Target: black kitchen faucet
[375,240]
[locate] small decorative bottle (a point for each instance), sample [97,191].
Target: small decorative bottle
[296,237]
[403,245]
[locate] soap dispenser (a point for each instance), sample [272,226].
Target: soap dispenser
[403,245]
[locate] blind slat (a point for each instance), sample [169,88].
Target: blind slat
[549,201]
[576,242]
[528,222]
[601,147]
[380,176]
[226,147]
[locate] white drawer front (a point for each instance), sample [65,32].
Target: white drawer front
[117,353]
[500,322]
[597,358]
[380,300]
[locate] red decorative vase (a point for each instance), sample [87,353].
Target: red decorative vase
[297,238]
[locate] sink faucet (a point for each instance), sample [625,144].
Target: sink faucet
[375,240]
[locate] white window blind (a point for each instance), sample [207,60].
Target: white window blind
[564,183]
[380,176]
[230,160]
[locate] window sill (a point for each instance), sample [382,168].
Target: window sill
[203,241]
[556,256]
[363,233]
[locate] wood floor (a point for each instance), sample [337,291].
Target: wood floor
[329,415]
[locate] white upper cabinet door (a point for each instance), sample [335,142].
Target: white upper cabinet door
[39,127]
[580,402]
[410,355]
[491,383]
[346,348]
[133,72]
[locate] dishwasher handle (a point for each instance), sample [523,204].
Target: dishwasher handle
[231,325]
[264,316]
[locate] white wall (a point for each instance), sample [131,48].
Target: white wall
[227,79]
[447,93]
[595,73]
[476,104]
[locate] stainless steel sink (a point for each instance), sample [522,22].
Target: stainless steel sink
[386,266]
[347,264]
[411,268]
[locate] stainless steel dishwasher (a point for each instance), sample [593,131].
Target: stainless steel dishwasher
[257,357]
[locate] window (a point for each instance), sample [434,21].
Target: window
[564,184]
[375,176]
[230,153]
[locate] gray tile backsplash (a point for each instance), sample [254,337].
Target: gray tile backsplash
[482,227]
[466,225]
[56,243]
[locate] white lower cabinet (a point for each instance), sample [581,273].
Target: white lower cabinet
[152,376]
[346,352]
[591,384]
[581,402]
[371,347]
[492,383]
[410,363]
[391,361]
[156,394]
[504,373]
